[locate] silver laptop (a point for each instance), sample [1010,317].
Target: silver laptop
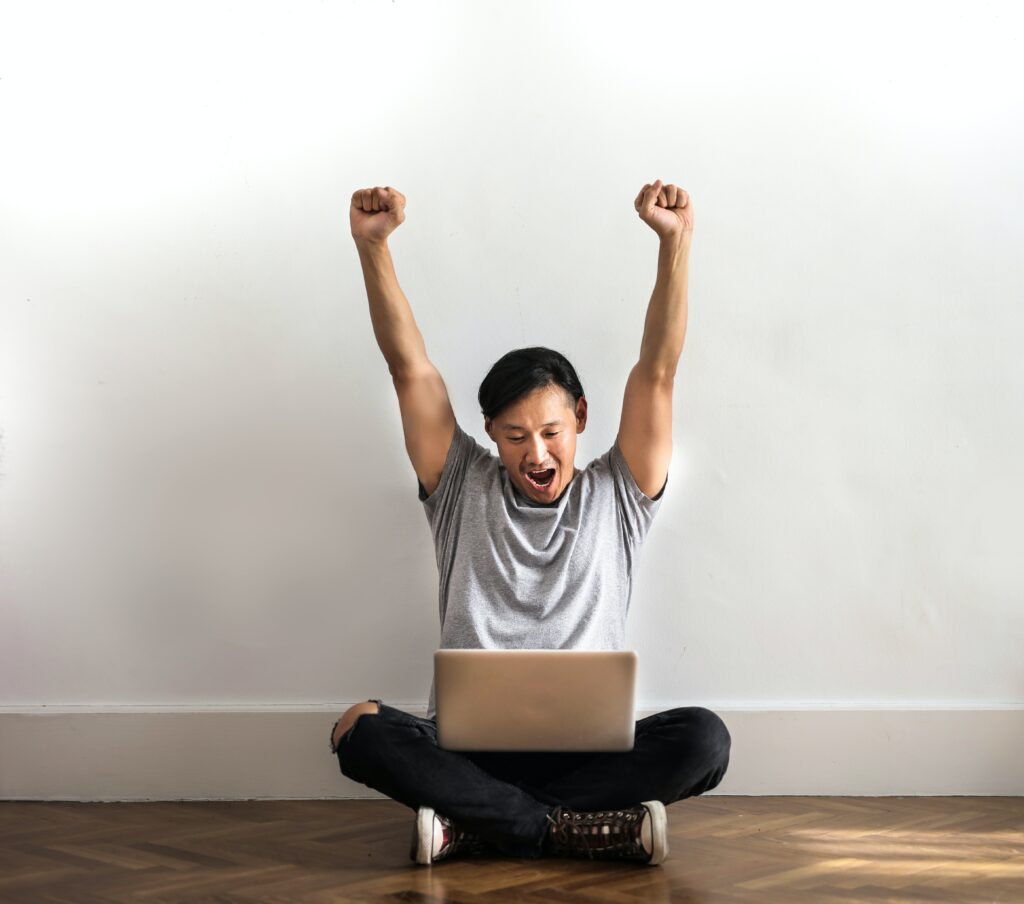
[535,700]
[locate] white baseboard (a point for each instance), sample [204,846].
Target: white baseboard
[79,753]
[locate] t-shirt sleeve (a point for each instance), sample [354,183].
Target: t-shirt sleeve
[440,505]
[636,509]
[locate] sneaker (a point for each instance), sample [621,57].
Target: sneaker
[635,833]
[435,837]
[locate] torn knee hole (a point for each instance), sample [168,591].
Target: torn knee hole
[351,716]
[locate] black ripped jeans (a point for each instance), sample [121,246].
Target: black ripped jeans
[506,797]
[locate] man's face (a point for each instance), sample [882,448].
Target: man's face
[539,433]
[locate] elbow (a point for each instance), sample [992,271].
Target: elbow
[656,372]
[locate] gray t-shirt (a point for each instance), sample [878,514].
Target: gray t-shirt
[520,574]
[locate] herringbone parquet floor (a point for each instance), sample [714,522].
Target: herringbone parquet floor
[723,849]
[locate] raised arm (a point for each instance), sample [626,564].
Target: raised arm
[645,430]
[427,416]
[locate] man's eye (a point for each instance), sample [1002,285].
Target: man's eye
[517,439]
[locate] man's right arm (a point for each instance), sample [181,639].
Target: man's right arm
[428,420]
[399,338]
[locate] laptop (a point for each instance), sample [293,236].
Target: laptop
[535,700]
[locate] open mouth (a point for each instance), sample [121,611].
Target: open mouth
[541,480]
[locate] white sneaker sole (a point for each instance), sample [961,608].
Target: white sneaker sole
[424,835]
[659,831]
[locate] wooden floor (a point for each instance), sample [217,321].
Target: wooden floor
[764,849]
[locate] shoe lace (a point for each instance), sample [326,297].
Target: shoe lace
[604,833]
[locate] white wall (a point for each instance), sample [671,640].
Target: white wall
[189,378]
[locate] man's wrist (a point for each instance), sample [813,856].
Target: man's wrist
[674,252]
[370,244]
[679,241]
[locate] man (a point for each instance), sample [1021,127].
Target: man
[533,552]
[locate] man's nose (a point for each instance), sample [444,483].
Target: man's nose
[539,452]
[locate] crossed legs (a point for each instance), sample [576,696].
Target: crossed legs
[506,797]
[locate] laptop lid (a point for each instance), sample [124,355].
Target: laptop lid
[535,700]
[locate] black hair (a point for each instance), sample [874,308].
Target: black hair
[523,371]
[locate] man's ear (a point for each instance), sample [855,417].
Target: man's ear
[487,427]
[581,414]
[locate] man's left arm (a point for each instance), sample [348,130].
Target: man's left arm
[645,429]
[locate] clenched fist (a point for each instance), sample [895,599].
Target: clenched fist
[666,209]
[376,213]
